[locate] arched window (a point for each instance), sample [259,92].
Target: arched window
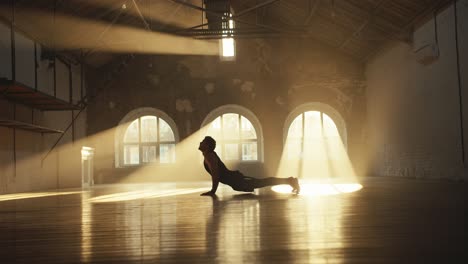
[237,132]
[146,136]
[314,131]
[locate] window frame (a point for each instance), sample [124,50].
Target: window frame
[322,109]
[127,121]
[241,112]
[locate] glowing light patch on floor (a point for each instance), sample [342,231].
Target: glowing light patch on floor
[147,194]
[320,189]
[19,196]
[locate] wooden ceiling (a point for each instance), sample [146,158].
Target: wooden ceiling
[358,28]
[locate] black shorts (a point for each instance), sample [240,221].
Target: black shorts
[239,182]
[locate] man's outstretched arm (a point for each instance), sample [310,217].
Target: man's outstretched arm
[214,187]
[214,169]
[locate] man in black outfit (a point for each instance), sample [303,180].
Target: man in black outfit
[239,182]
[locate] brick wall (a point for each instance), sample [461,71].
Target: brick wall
[414,108]
[269,77]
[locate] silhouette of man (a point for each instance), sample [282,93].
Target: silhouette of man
[239,182]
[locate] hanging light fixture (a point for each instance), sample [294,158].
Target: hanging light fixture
[228,50]
[220,18]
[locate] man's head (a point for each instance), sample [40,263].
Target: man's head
[208,144]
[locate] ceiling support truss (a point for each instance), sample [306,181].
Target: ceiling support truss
[433,8]
[358,31]
[192,31]
[312,11]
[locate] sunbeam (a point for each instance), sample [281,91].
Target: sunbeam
[64,32]
[314,151]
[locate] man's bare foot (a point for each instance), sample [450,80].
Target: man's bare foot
[210,193]
[294,182]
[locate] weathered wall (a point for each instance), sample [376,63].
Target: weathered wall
[22,164]
[414,123]
[22,152]
[269,77]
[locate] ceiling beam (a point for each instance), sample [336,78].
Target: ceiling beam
[358,31]
[101,35]
[245,11]
[182,2]
[234,32]
[312,12]
[224,17]
[379,22]
[141,16]
[241,13]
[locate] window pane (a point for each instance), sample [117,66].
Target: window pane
[165,131]
[295,129]
[167,153]
[314,150]
[333,147]
[231,126]
[312,125]
[131,134]
[333,142]
[329,127]
[249,151]
[248,131]
[293,148]
[148,129]
[131,154]
[231,151]
[214,129]
[236,137]
[148,153]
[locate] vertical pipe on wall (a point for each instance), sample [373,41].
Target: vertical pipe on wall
[57,173]
[57,170]
[13,55]
[53,47]
[70,84]
[13,77]
[35,65]
[73,125]
[158,145]
[14,142]
[35,78]
[436,32]
[55,75]
[81,77]
[70,89]
[460,94]
[140,147]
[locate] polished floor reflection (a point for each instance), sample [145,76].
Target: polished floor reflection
[387,221]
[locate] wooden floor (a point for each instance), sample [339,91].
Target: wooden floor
[387,221]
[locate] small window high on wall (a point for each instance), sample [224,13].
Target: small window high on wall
[148,139]
[237,133]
